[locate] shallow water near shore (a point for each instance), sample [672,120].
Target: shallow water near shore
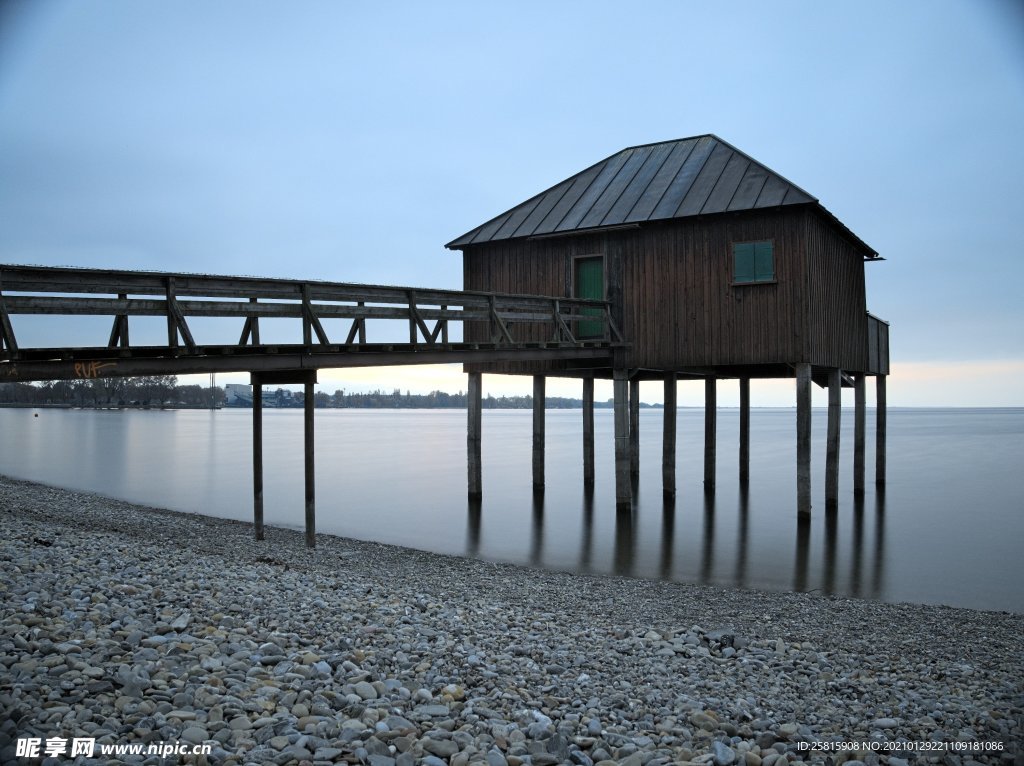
[947,529]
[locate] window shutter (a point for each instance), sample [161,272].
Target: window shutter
[743,253]
[764,262]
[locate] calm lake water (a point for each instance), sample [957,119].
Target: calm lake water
[948,529]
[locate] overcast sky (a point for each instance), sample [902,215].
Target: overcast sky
[350,141]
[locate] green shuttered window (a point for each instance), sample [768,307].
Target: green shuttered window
[753,262]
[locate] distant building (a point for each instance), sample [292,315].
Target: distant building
[237,395]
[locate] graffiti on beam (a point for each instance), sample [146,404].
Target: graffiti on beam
[91,369]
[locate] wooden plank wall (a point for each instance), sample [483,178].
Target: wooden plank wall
[672,286]
[837,308]
[682,309]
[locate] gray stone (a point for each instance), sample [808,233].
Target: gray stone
[365,690]
[496,758]
[195,734]
[442,748]
[722,754]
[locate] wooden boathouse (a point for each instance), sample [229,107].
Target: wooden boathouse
[682,259]
[714,266]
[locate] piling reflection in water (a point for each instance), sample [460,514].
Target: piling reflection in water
[628,557]
[405,485]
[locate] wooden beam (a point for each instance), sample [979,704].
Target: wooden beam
[473,436]
[257,456]
[668,439]
[623,485]
[538,431]
[588,432]
[803,441]
[859,412]
[835,404]
[744,430]
[634,427]
[880,417]
[310,472]
[710,430]
[102,362]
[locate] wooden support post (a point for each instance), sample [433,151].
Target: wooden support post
[744,430]
[835,403]
[257,456]
[310,474]
[473,438]
[668,440]
[538,431]
[623,486]
[634,427]
[710,431]
[858,434]
[803,441]
[588,431]
[880,430]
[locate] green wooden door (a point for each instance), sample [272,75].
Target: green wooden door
[589,283]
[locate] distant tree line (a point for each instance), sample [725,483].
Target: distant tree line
[164,391]
[149,391]
[438,400]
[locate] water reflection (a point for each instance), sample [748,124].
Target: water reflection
[668,535]
[743,529]
[803,553]
[473,518]
[707,559]
[587,544]
[745,535]
[537,542]
[625,542]
[818,555]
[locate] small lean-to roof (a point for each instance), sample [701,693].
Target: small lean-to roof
[654,182]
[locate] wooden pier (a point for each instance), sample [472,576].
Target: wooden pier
[679,260]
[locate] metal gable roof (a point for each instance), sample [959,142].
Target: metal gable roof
[654,182]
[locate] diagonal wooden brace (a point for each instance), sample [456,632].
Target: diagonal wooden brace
[311,321]
[251,329]
[560,325]
[7,339]
[176,321]
[416,322]
[119,332]
[500,325]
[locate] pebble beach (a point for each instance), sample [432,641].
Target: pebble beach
[128,624]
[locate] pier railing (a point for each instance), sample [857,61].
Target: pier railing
[366,337]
